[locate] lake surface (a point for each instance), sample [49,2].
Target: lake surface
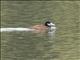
[64,44]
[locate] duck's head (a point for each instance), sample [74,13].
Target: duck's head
[49,24]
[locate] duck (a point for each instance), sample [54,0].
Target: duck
[47,26]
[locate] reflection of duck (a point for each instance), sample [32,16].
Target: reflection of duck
[42,28]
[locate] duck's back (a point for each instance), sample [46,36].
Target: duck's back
[40,28]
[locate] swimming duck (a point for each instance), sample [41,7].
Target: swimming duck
[47,26]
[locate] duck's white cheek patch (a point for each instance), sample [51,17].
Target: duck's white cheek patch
[49,24]
[52,24]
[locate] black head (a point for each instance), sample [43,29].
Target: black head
[47,23]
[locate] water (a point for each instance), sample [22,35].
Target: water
[60,45]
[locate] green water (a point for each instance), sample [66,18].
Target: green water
[32,46]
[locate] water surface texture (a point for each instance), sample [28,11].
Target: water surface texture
[63,45]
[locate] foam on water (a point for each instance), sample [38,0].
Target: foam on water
[15,29]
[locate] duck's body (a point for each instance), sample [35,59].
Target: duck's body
[44,27]
[40,28]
